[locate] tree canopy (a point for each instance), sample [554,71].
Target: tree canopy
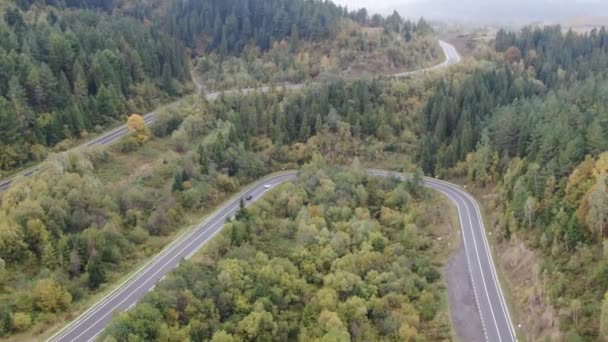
[65,73]
[330,257]
[533,125]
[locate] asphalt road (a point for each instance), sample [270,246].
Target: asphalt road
[92,322]
[493,310]
[451,57]
[495,319]
[496,322]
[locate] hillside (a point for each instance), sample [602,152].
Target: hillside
[521,122]
[87,218]
[528,130]
[75,69]
[66,73]
[582,24]
[356,51]
[95,215]
[334,256]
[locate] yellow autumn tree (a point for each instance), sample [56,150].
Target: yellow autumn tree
[50,296]
[21,321]
[586,188]
[138,129]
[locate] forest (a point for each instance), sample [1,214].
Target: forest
[357,50]
[229,26]
[87,217]
[533,128]
[70,69]
[64,74]
[552,192]
[525,123]
[541,61]
[335,256]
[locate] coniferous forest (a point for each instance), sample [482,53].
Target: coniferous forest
[64,73]
[76,68]
[534,128]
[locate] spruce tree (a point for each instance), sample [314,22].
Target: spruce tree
[96,272]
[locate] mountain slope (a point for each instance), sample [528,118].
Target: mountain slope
[63,73]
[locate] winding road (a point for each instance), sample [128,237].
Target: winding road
[495,319]
[451,57]
[490,300]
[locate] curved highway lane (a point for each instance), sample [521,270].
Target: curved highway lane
[451,57]
[495,318]
[490,300]
[92,322]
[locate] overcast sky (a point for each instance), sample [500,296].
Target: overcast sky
[486,10]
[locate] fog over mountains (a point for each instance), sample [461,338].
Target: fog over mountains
[501,11]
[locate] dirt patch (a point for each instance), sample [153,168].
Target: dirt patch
[527,287]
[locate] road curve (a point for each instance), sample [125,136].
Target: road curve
[495,318]
[451,57]
[490,300]
[92,322]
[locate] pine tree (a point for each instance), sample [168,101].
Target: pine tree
[9,125]
[595,137]
[304,127]
[598,207]
[427,158]
[61,95]
[80,86]
[96,272]
[49,256]
[167,79]
[34,88]
[295,37]
[178,181]
[318,125]
[16,94]
[107,103]
[75,263]
[203,159]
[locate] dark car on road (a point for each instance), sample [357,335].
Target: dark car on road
[249,197]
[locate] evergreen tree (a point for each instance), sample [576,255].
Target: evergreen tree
[203,159]
[167,81]
[49,69]
[49,256]
[96,272]
[80,86]
[178,181]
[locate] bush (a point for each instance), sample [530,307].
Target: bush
[127,144]
[138,235]
[51,296]
[97,154]
[227,184]
[21,321]
[191,199]
[165,123]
